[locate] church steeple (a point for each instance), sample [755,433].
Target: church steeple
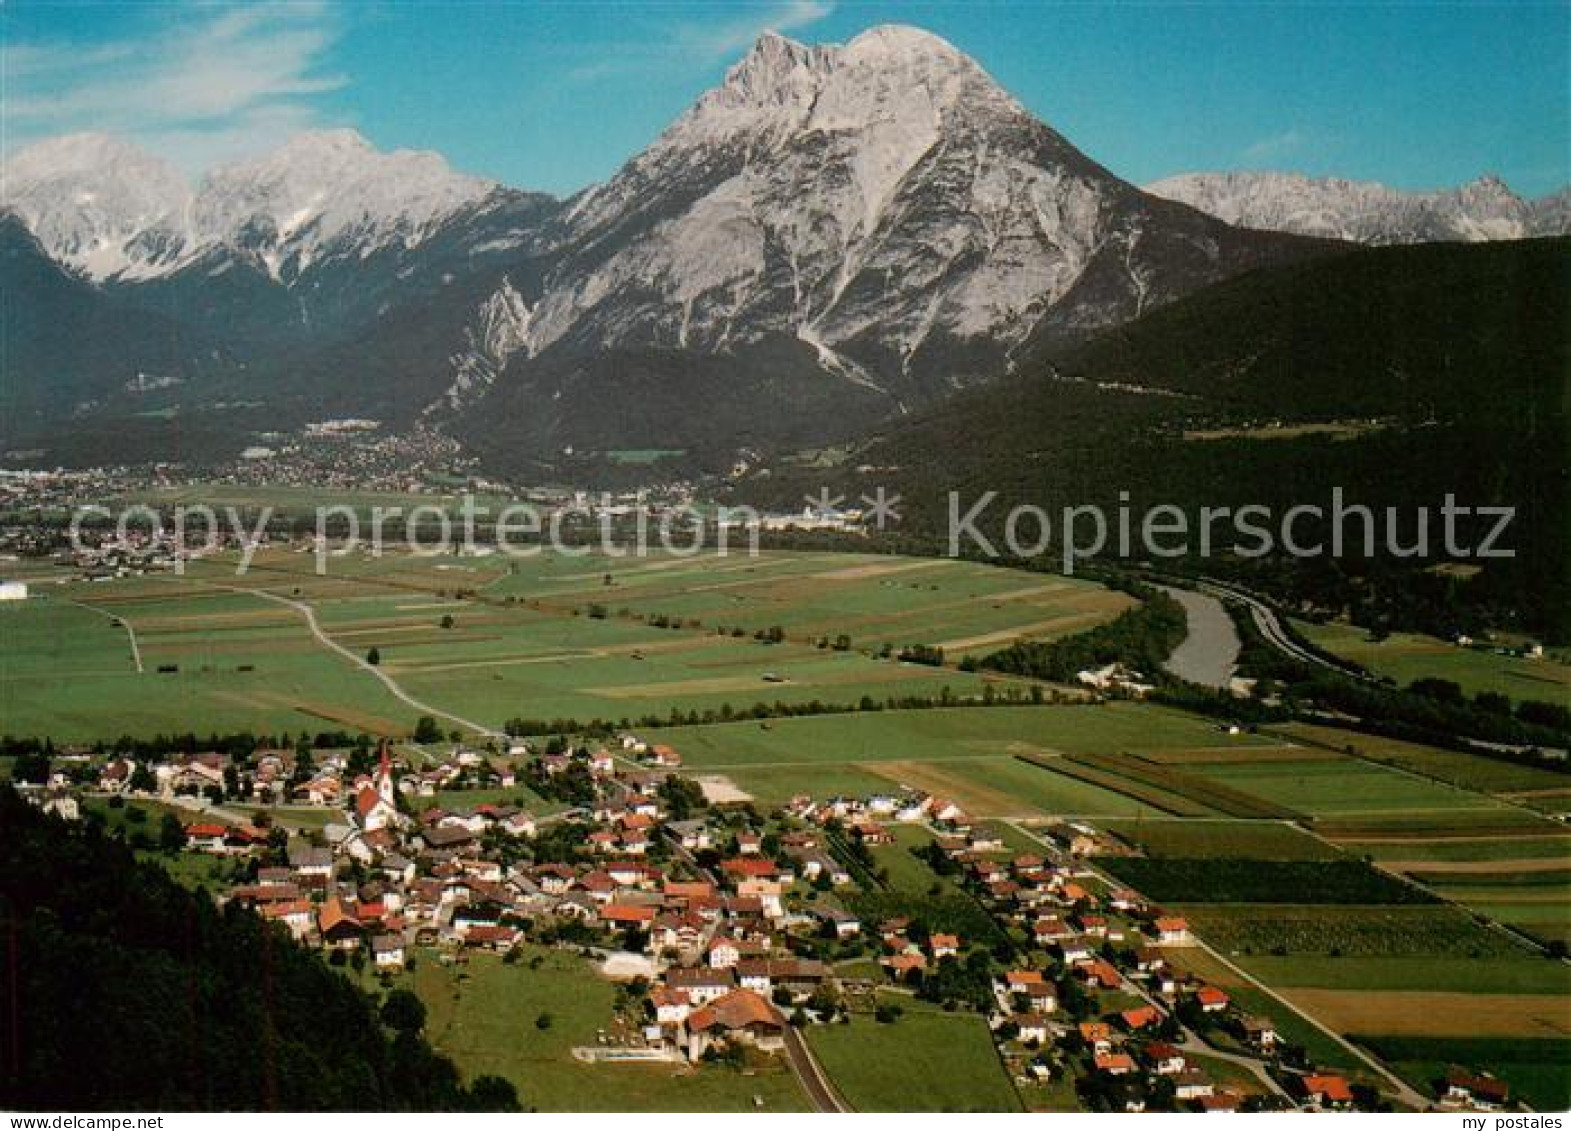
[384,776]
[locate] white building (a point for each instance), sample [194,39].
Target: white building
[13,590]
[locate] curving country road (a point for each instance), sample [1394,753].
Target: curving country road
[136,652]
[387,681]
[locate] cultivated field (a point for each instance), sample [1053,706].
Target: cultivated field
[487,640]
[1406,657]
[1197,839]
[1466,771]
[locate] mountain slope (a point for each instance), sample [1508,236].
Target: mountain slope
[879,217]
[67,345]
[1430,370]
[1368,212]
[833,233]
[98,205]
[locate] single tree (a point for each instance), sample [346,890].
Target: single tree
[171,834]
[403,1011]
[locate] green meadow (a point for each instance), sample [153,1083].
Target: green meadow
[925,1061]
[1406,657]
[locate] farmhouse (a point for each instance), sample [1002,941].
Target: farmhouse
[388,951]
[1211,999]
[1471,1089]
[1173,931]
[740,1015]
[1327,1090]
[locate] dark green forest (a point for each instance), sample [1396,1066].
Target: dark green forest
[1434,369]
[127,992]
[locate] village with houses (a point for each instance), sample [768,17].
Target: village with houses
[730,932]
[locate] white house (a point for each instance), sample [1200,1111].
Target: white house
[13,590]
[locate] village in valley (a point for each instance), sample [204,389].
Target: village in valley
[803,830]
[732,934]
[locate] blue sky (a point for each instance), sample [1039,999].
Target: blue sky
[556,95]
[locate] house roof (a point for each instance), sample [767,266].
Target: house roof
[692,977]
[627,913]
[334,914]
[1478,1085]
[444,836]
[756,867]
[1141,1017]
[739,1009]
[1334,1088]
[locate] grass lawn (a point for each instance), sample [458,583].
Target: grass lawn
[925,1061]
[196,870]
[907,871]
[1227,1074]
[1058,1094]
[118,818]
[1006,788]
[519,795]
[484,1016]
[772,786]
[68,671]
[872,599]
[305,818]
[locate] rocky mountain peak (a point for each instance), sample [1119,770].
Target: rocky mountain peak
[97,203]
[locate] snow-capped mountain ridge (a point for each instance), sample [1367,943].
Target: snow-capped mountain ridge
[832,233]
[111,211]
[1367,211]
[327,193]
[99,204]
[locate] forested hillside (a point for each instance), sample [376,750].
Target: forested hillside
[1399,375]
[127,992]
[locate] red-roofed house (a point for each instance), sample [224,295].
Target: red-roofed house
[1327,1090]
[1211,999]
[740,1015]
